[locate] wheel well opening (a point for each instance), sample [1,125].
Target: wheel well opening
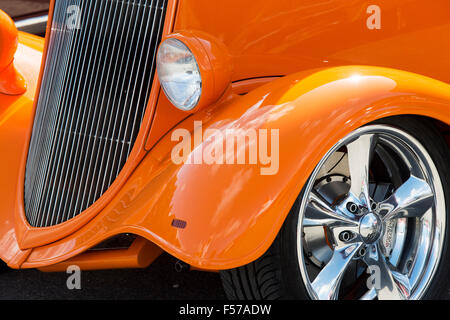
[444,129]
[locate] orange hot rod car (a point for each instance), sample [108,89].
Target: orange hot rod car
[300,148]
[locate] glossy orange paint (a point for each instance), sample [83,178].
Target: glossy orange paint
[11,82]
[8,40]
[232,212]
[245,86]
[139,255]
[167,115]
[233,221]
[271,38]
[14,124]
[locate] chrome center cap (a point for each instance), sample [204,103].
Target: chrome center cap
[370,228]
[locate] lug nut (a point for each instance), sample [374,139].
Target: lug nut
[373,205]
[345,236]
[352,207]
[409,265]
[362,252]
[181,266]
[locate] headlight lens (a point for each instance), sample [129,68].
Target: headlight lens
[179,74]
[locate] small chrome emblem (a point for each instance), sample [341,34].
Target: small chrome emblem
[389,236]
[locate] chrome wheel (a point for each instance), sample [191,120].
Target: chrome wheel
[372,218]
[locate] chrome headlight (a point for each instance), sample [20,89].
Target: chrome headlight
[179,74]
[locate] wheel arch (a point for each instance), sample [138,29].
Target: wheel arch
[232,213]
[444,130]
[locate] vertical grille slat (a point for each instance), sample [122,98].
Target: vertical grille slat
[53,71]
[82,143]
[70,202]
[106,124]
[93,96]
[68,93]
[59,159]
[46,198]
[131,28]
[68,115]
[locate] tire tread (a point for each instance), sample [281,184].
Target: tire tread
[255,281]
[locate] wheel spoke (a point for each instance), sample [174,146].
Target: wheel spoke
[326,284]
[411,200]
[389,284]
[319,213]
[360,152]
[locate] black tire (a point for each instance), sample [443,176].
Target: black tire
[3,267]
[276,275]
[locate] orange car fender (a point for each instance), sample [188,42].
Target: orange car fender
[14,124]
[218,216]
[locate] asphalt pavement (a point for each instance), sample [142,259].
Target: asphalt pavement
[159,281]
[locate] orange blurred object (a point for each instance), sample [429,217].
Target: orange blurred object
[11,82]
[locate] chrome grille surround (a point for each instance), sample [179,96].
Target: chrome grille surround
[94,92]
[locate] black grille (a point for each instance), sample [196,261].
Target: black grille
[94,92]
